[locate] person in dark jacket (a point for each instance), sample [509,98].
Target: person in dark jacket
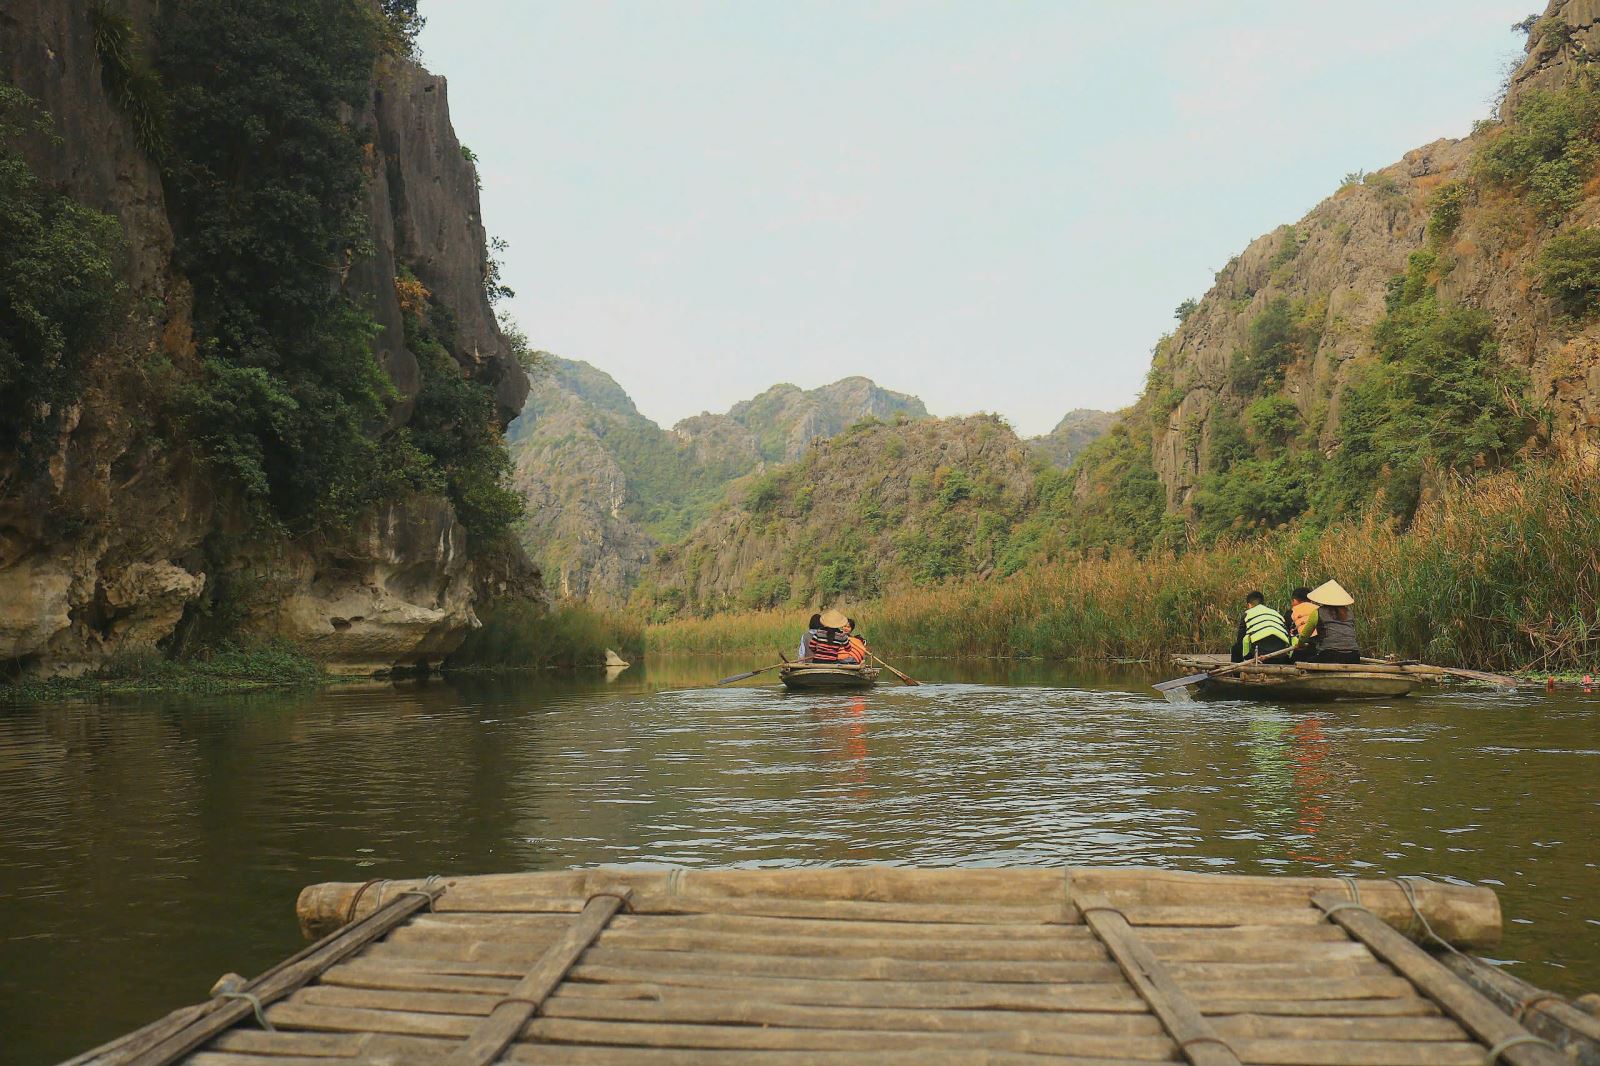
[1329,632]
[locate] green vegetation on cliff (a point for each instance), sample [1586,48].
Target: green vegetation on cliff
[268,176]
[58,288]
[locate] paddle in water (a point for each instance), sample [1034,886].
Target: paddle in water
[903,678]
[751,673]
[1176,690]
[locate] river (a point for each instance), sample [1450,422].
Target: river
[148,846]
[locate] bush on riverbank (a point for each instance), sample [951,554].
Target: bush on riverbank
[522,635]
[230,668]
[1505,575]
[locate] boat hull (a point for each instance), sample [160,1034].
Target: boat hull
[1301,681]
[807,677]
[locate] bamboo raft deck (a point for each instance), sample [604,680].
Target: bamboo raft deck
[1098,967]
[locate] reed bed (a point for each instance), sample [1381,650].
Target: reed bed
[1503,575]
[520,635]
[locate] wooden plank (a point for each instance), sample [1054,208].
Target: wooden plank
[507,1018]
[630,1034]
[1256,1026]
[580,1055]
[184,1032]
[353,975]
[855,969]
[1410,1006]
[325,1046]
[1359,1053]
[763,925]
[1543,1014]
[1194,1035]
[1481,1018]
[930,994]
[723,1009]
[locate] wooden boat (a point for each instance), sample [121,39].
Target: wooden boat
[876,964]
[827,676]
[1302,681]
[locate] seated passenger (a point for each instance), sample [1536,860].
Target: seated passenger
[1332,624]
[1264,631]
[805,638]
[855,648]
[828,641]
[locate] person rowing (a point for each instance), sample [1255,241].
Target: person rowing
[1261,630]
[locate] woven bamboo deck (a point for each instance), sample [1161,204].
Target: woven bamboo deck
[875,965]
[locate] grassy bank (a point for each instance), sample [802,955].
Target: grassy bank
[229,669]
[522,636]
[1504,575]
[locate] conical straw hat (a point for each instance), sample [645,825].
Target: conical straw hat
[1331,594]
[834,619]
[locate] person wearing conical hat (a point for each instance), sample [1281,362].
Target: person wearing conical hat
[827,640]
[1328,634]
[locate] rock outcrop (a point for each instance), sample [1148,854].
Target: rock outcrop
[126,540]
[1338,262]
[876,508]
[606,487]
[1076,431]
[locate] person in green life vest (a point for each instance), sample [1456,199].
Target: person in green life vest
[1262,631]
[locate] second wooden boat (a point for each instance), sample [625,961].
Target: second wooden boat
[1302,681]
[827,676]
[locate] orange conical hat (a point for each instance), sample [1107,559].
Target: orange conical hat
[1331,594]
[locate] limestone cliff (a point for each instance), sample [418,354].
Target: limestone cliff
[876,508]
[1442,221]
[606,487]
[127,538]
[1076,431]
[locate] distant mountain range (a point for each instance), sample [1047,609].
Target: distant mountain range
[607,488]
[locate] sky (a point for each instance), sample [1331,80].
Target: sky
[995,205]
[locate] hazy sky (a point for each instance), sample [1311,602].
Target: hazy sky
[995,205]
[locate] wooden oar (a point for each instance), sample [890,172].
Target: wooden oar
[1195,679]
[1471,675]
[752,673]
[903,678]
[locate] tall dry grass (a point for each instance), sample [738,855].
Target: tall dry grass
[1504,575]
[519,635]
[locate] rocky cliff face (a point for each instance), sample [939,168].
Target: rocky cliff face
[1336,267]
[606,487]
[128,538]
[878,507]
[1076,431]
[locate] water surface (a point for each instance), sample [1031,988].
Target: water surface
[148,846]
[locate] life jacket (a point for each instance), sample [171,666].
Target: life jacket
[1337,634]
[825,645]
[1262,622]
[855,651]
[1301,613]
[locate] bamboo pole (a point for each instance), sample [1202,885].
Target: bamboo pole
[1467,916]
[1485,1021]
[508,1016]
[1545,1014]
[1157,986]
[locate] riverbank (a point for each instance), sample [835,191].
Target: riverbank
[1504,575]
[228,669]
[515,636]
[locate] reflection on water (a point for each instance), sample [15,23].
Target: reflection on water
[149,847]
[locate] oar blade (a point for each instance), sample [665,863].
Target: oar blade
[738,677]
[1180,682]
